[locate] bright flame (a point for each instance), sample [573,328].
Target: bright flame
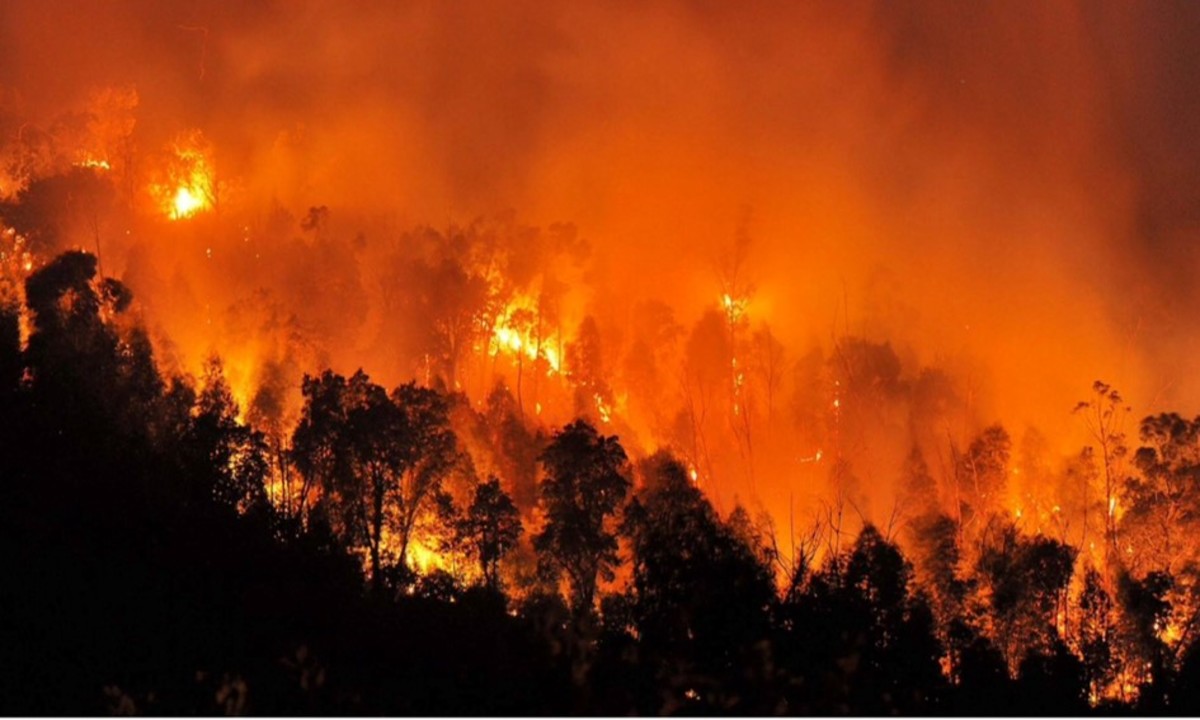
[186,203]
[508,338]
[517,341]
[735,308]
[189,187]
[94,164]
[1171,634]
[603,409]
[423,558]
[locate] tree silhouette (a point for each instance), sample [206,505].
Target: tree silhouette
[491,527]
[1097,633]
[1025,581]
[585,484]
[233,453]
[1146,609]
[860,639]
[700,597]
[380,460]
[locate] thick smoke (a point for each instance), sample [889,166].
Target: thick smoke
[1006,191]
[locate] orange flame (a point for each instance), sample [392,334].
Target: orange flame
[189,187]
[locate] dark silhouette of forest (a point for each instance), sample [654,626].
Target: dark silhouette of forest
[146,568]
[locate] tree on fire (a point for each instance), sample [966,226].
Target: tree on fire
[584,486]
[1164,502]
[981,473]
[380,460]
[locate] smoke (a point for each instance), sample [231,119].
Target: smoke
[1005,190]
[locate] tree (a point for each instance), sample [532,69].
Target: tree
[863,643]
[918,494]
[983,471]
[380,460]
[515,445]
[700,595]
[1146,610]
[1164,502]
[585,484]
[1104,417]
[586,367]
[429,451]
[233,454]
[10,359]
[1096,633]
[491,527]
[1026,580]
[934,544]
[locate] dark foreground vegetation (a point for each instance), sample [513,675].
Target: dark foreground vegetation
[148,567]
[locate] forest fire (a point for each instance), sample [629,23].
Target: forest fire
[751,356]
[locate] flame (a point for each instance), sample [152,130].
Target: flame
[735,307]
[91,162]
[509,339]
[814,458]
[423,558]
[186,203]
[603,409]
[189,187]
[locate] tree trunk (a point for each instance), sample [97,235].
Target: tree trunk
[376,536]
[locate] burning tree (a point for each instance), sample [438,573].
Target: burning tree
[1163,512]
[1105,416]
[187,182]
